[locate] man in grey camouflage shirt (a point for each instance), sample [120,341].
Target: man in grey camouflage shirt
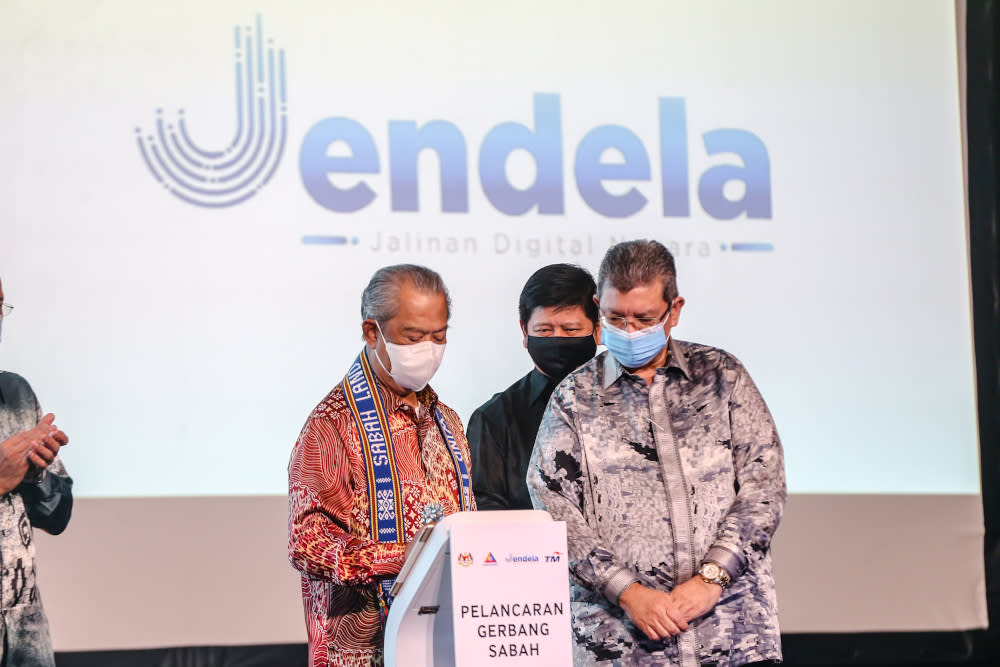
[35,492]
[664,462]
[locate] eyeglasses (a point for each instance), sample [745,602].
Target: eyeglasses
[638,323]
[5,310]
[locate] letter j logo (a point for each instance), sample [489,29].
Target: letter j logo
[218,178]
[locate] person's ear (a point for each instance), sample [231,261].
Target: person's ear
[675,312]
[597,332]
[369,332]
[524,333]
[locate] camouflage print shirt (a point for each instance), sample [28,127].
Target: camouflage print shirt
[652,480]
[43,500]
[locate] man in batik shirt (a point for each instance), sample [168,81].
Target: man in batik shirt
[663,460]
[35,492]
[380,433]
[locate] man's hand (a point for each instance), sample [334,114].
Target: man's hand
[696,597]
[37,447]
[14,453]
[50,439]
[654,612]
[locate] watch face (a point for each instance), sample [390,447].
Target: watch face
[710,571]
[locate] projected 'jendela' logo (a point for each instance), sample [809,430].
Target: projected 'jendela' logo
[218,178]
[338,156]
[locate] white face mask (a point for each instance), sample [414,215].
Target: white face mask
[413,366]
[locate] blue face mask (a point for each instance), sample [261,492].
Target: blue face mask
[634,349]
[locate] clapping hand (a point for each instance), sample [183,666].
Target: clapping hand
[50,439]
[36,447]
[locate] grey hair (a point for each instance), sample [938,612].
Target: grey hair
[379,301]
[629,264]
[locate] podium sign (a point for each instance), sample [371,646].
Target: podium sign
[510,594]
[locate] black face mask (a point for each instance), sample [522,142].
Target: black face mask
[557,356]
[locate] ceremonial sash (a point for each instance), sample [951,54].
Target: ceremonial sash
[461,465]
[385,501]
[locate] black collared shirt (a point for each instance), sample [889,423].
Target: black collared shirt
[501,433]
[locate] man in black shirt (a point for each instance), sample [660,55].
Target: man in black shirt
[559,322]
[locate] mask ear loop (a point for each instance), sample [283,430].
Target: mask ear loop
[377,357]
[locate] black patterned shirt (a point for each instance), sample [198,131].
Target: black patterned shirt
[654,479]
[43,500]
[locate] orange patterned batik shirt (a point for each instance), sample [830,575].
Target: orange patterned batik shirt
[329,531]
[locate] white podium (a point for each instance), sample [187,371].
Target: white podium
[483,588]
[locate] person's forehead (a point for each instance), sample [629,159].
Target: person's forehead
[421,309]
[557,315]
[648,295]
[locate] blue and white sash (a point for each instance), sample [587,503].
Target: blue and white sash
[385,501]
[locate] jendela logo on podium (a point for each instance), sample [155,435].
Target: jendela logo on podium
[511,606]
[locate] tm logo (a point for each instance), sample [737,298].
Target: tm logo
[219,178]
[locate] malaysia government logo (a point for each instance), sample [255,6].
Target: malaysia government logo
[465,559]
[227,176]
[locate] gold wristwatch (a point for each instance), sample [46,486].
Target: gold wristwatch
[713,573]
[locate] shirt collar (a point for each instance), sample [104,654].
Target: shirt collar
[539,385]
[426,397]
[675,359]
